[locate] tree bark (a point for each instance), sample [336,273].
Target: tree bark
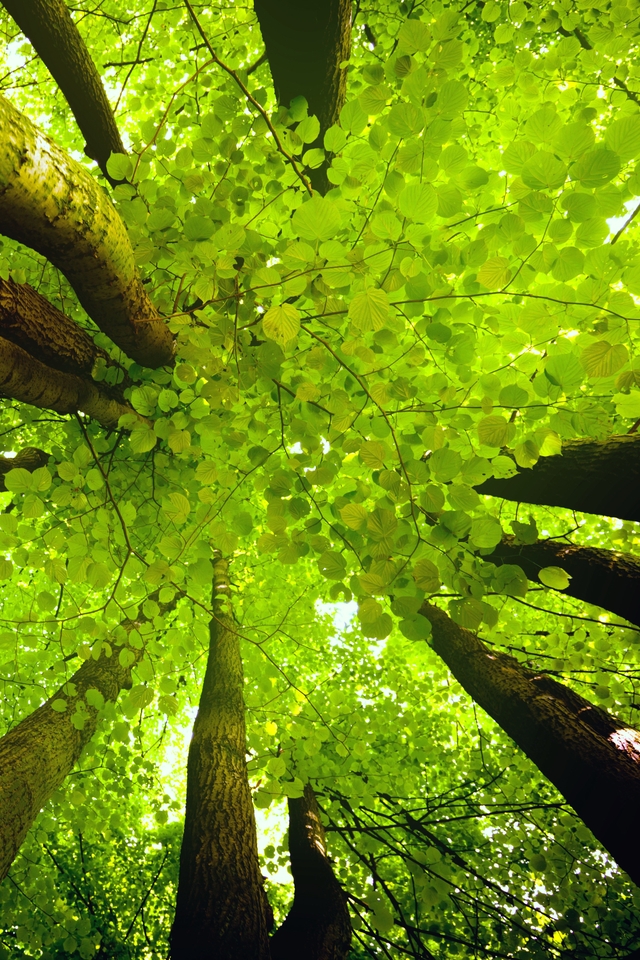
[305,45]
[606,578]
[28,380]
[57,41]
[590,756]
[29,458]
[221,908]
[592,476]
[53,204]
[318,926]
[30,321]
[37,755]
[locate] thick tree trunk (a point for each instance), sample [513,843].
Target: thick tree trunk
[593,476]
[305,45]
[31,322]
[53,204]
[318,926]
[56,40]
[37,755]
[28,380]
[606,578]
[221,908]
[29,458]
[590,756]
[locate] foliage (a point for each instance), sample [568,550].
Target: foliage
[349,367]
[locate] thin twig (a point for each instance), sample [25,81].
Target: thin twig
[624,226]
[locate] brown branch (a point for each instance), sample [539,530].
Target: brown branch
[57,41]
[589,755]
[317,926]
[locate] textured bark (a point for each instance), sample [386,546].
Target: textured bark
[606,578]
[56,40]
[221,909]
[593,476]
[53,204]
[318,926]
[28,380]
[37,755]
[305,45]
[29,458]
[30,321]
[590,756]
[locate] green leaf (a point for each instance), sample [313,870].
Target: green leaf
[494,273]
[354,515]
[415,628]
[332,565]
[554,577]
[308,129]
[486,532]
[405,120]
[18,480]
[317,219]
[543,171]
[622,137]
[495,431]
[596,167]
[445,464]
[369,310]
[334,139]
[281,323]
[414,37]
[199,228]
[565,371]
[120,166]
[603,359]
[426,576]
[418,202]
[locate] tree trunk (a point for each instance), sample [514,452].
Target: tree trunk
[305,45]
[37,755]
[29,458]
[318,926]
[592,476]
[28,380]
[221,908]
[30,321]
[53,204]
[606,578]
[590,756]
[56,40]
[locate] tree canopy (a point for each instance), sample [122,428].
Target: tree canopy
[320,407]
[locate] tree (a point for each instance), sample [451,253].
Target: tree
[328,321]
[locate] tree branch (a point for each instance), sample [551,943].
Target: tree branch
[606,578]
[57,41]
[590,756]
[53,204]
[318,926]
[592,476]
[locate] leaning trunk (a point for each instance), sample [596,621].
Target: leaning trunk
[589,755]
[593,476]
[221,908]
[55,38]
[37,755]
[52,203]
[318,926]
[606,578]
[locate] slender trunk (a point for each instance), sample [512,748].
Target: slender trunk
[305,45]
[56,40]
[593,476]
[590,756]
[30,321]
[29,458]
[318,926]
[37,755]
[606,578]
[53,204]
[28,380]
[221,908]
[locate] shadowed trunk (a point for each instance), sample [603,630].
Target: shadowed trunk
[593,476]
[606,578]
[318,926]
[590,756]
[25,379]
[38,754]
[305,45]
[56,40]
[221,908]
[29,458]
[30,321]
[53,204]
